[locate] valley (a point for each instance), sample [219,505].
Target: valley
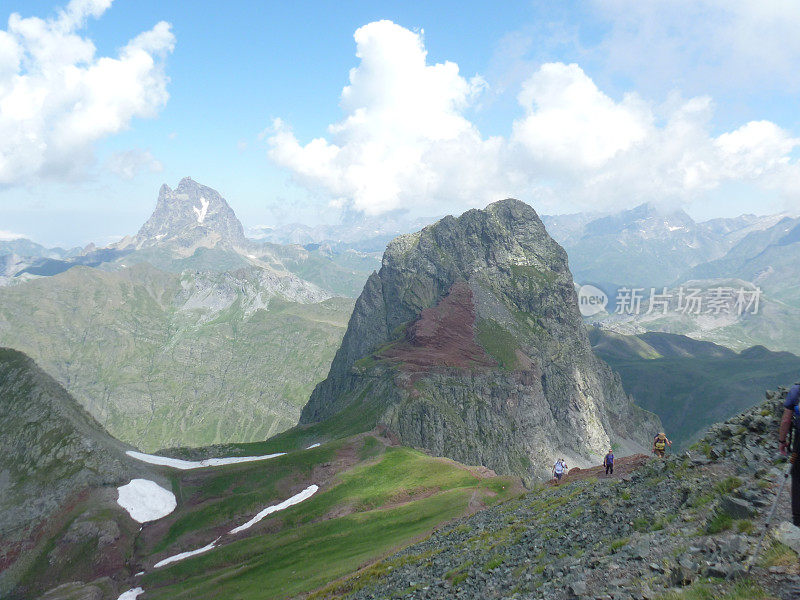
[304,438]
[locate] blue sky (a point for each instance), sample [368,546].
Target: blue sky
[569,106]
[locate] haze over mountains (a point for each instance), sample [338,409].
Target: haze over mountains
[189,333]
[186,333]
[468,344]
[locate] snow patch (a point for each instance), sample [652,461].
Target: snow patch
[131,594]
[296,499]
[313,446]
[201,211]
[145,500]
[183,555]
[185,465]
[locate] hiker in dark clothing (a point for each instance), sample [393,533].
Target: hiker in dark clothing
[792,412]
[608,462]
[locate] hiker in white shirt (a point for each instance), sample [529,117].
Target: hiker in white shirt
[559,469]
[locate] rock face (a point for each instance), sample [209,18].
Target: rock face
[469,343]
[189,217]
[50,446]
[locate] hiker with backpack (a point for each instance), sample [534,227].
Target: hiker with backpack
[608,462]
[558,470]
[660,443]
[792,413]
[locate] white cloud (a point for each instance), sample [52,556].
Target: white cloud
[57,98]
[732,44]
[10,236]
[571,122]
[405,141]
[129,163]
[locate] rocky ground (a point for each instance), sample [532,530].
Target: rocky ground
[691,520]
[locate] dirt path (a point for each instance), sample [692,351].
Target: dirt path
[622,467]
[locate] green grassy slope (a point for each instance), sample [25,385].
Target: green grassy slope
[372,499]
[158,376]
[691,384]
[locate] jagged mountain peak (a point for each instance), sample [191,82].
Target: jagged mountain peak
[468,342]
[191,216]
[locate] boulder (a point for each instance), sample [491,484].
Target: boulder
[789,535]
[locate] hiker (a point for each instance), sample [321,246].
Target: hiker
[792,409]
[660,443]
[608,462]
[558,470]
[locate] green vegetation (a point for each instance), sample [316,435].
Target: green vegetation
[719,521]
[364,512]
[742,590]
[158,370]
[619,543]
[691,384]
[498,343]
[778,555]
[727,485]
[494,562]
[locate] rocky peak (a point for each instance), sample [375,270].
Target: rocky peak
[51,447]
[470,341]
[191,216]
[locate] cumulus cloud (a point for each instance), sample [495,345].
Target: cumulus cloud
[57,98]
[405,141]
[129,163]
[570,122]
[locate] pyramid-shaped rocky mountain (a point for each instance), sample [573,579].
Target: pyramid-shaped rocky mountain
[189,217]
[469,343]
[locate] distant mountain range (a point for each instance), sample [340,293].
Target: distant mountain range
[187,333]
[649,250]
[645,246]
[692,384]
[195,292]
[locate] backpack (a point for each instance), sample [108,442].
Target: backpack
[660,443]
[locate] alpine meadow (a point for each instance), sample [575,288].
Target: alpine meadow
[419,301]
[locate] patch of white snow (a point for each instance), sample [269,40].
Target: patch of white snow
[201,211]
[312,446]
[131,594]
[145,500]
[185,465]
[296,499]
[183,555]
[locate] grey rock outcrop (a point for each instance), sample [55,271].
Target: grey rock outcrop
[51,448]
[468,342]
[189,217]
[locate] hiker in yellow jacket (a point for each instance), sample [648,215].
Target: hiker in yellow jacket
[660,443]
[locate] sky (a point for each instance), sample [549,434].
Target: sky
[304,112]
